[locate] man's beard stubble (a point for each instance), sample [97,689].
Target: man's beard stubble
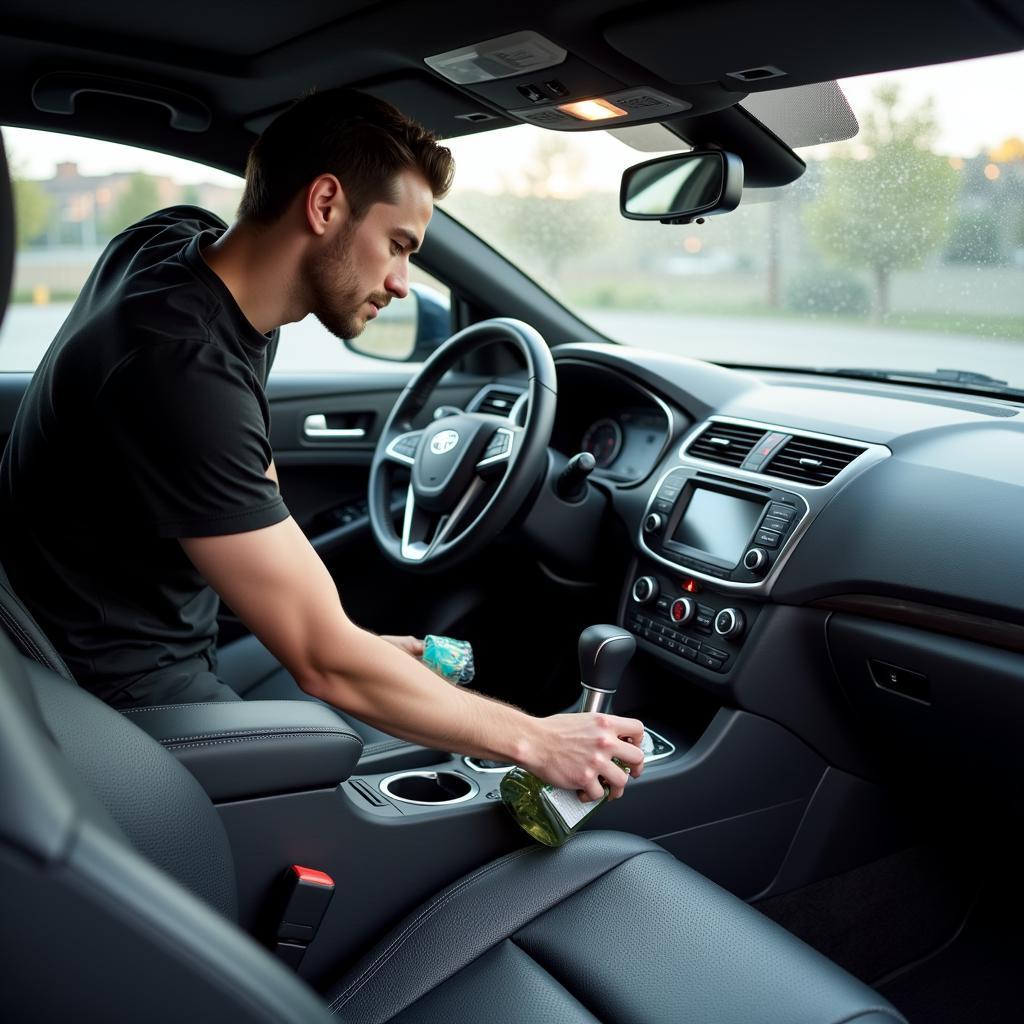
[336,299]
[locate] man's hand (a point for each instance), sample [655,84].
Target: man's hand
[409,644]
[576,751]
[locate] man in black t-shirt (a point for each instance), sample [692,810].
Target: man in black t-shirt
[138,486]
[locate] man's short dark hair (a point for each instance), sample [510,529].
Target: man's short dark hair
[364,142]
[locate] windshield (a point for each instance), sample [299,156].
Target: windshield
[901,249]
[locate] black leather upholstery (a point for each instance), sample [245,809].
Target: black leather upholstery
[91,930]
[243,749]
[155,802]
[608,928]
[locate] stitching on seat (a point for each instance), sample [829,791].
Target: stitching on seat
[180,745]
[26,639]
[281,730]
[440,902]
[381,745]
[427,911]
[164,707]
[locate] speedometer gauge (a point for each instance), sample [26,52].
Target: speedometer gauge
[603,440]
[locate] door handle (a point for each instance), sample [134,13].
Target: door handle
[315,426]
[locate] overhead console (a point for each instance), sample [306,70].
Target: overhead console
[533,79]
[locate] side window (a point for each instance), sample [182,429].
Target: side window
[308,347]
[72,195]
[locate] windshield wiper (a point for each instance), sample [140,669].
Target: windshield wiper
[966,380]
[950,376]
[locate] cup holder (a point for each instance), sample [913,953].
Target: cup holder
[429,789]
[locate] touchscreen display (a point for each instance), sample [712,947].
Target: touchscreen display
[719,524]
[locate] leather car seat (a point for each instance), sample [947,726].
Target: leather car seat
[118,887]
[118,890]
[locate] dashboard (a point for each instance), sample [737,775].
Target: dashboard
[783,529]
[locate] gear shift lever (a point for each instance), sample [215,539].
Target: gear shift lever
[553,815]
[604,652]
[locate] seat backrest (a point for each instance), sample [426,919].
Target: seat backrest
[91,809]
[116,878]
[16,620]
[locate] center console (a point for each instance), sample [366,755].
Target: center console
[720,530]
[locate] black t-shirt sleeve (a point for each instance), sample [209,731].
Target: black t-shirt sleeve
[186,430]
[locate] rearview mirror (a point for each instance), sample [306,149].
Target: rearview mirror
[681,188]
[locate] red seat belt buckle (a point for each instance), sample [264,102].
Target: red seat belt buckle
[306,893]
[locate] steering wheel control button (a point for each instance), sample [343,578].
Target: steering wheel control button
[645,589]
[405,446]
[682,610]
[756,560]
[729,623]
[653,523]
[767,538]
[498,445]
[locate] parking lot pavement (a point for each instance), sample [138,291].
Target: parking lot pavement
[813,343]
[28,330]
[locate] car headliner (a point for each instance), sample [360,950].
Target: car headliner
[244,62]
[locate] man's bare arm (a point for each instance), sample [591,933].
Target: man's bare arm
[278,586]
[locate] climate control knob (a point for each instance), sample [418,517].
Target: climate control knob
[756,560]
[682,610]
[729,623]
[645,589]
[653,523]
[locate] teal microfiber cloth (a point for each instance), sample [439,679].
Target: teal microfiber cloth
[450,659]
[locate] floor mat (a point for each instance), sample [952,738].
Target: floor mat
[883,915]
[976,979]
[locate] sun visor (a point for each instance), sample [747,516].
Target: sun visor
[805,115]
[750,47]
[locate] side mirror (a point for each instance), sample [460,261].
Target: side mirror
[407,330]
[681,188]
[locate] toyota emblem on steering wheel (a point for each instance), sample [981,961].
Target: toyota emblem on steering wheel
[444,441]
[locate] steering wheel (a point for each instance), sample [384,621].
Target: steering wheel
[471,472]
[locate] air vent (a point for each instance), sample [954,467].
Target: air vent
[811,460]
[726,443]
[497,401]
